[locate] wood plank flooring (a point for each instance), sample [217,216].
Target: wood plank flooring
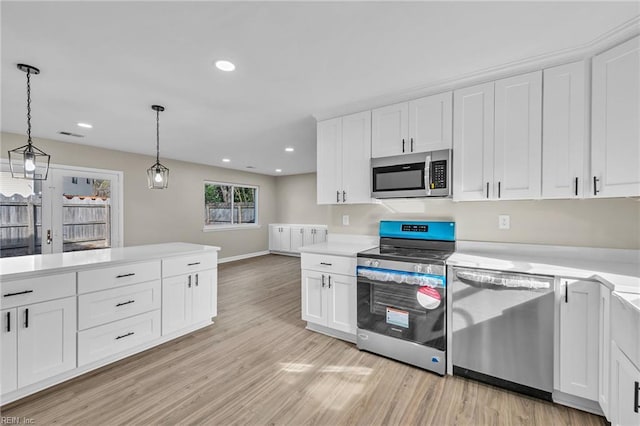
[258,365]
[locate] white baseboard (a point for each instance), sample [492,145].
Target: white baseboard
[243,256]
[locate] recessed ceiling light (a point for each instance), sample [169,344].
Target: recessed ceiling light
[225,160]
[278,170]
[85,125]
[289,149]
[225,66]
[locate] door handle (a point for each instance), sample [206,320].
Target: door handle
[566,292]
[595,185]
[487,189]
[337,196]
[8,322]
[344,196]
[189,281]
[411,144]
[196,280]
[322,280]
[636,393]
[49,239]
[576,191]
[329,281]
[499,189]
[26,318]
[402,145]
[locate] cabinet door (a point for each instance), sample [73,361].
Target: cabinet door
[563,131]
[320,235]
[285,238]
[430,122]
[274,237]
[297,238]
[604,349]
[356,158]
[390,130]
[9,351]
[202,286]
[329,161]
[46,340]
[314,305]
[518,136]
[176,303]
[341,303]
[579,338]
[615,139]
[473,143]
[308,235]
[625,389]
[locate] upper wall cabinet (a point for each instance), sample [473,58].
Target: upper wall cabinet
[420,125]
[615,153]
[563,132]
[497,139]
[344,154]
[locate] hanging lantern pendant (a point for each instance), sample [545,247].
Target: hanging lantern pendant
[157,175]
[28,161]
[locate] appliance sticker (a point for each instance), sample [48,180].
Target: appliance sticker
[397,317]
[428,297]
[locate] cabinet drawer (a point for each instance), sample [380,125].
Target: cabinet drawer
[625,323]
[39,289]
[111,305]
[172,266]
[110,339]
[327,263]
[117,276]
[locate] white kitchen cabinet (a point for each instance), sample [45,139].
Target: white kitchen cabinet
[625,389]
[473,143]
[564,140]
[518,136]
[344,154]
[604,348]
[9,351]
[279,237]
[615,121]
[314,305]
[46,340]
[579,316]
[187,299]
[329,300]
[315,235]
[419,125]
[297,237]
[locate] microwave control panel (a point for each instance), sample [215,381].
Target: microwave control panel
[438,174]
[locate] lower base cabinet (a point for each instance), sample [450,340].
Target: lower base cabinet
[188,299]
[625,389]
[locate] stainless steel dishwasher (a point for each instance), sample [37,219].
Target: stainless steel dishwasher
[502,326]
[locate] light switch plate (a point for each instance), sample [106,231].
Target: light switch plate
[345,220]
[504,221]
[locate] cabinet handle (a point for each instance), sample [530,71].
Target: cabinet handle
[189,281]
[595,185]
[636,393]
[487,189]
[499,189]
[301,231]
[196,280]
[325,263]
[329,281]
[131,333]
[125,275]
[344,196]
[193,264]
[337,196]
[26,318]
[128,302]
[8,322]
[411,144]
[402,145]
[17,294]
[576,192]
[322,280]
[566,292]
[49,239]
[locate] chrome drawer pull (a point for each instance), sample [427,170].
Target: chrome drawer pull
[17,294]
[125,303]
[131,333]
[125,275]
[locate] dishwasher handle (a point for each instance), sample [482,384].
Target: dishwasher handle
[496,280]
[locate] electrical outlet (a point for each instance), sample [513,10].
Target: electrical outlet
[345,220]
[504,221]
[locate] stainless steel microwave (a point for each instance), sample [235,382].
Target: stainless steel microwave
[426,174]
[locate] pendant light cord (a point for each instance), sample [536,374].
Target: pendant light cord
[29,106]
[157,136]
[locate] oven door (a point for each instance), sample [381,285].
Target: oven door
[404,305]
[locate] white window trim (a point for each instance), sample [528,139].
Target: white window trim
[232,226]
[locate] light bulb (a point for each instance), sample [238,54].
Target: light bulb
[29,162]
[158,177]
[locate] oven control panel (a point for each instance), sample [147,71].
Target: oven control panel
[414,228]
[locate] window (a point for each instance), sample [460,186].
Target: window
[229,205]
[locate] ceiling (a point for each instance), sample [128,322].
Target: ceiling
[106,63]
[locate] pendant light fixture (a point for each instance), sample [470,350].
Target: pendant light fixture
[28,161]
[157,175]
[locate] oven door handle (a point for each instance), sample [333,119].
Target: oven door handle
[427,177]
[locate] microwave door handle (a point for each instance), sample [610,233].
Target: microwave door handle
[427,177]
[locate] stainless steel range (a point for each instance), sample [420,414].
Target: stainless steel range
[401,293]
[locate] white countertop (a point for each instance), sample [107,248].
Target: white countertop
[617,269]
[342,245]
[42,264]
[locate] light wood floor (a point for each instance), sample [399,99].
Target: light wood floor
[258,365]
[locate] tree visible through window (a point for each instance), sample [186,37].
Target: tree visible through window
[229,204]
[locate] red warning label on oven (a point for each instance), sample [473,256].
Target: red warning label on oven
[428,297]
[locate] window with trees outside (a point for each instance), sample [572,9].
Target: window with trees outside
[230,205]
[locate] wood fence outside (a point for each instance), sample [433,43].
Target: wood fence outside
[219,213]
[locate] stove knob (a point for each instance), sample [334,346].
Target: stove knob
[367,262]
[375,263]
[417,268]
